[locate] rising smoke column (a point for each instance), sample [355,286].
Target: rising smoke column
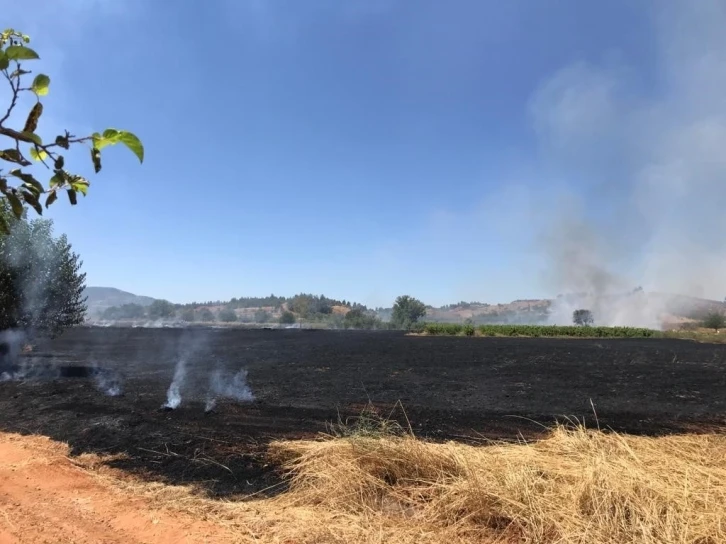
[641,150]
[11,342]
[189,344]
[173,394]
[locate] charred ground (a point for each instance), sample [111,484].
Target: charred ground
[451,387]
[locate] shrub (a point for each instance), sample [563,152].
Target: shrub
[287,318]
[262,316]
[161,309]
[227,315]
[205,315]
[715,321]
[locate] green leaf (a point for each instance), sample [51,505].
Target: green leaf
[15,204]
[96,158]
[57,180]
[99,142]
[4,61]
[20,52]
[111,136]
[13,155]
[37,155]
[72,197]
[3,186]
[59,162]
[80,184]
[133,143]
[52,197]
[41,84]
[29,181]
[33,137]
[32,199]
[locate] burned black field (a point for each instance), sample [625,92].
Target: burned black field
[450,387]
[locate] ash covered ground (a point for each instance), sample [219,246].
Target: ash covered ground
[101,390]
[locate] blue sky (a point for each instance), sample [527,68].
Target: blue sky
[369,148]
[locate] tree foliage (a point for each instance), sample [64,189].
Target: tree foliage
[227,315]
[287,318]
[161,309]
[715,321]
[361,319]
[262,316]
[583,317]
[308,305]
[205,315]
[125,311]
[22,145]
[407,311]
[257,302]
[41,286]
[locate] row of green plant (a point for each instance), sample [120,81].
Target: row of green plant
[459,329]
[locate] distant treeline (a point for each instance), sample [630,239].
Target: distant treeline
[305,301]
[273,309]
[309,308]
[457,329]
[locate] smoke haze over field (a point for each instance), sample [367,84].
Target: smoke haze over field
[648,208]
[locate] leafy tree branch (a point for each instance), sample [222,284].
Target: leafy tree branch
[18,187]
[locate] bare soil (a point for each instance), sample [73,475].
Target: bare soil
[462,388]
[45,498]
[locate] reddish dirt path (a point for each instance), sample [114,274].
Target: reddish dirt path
[44,498]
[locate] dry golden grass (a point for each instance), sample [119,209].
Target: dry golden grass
[574,486]
[699,334]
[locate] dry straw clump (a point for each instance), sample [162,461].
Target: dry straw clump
[576,485]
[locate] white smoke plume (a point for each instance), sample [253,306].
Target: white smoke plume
[11,343]
[173,394]
[109,384]
[644,148]
[189,345]
[223,385]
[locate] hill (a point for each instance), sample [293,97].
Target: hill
[634,308]
[100,298]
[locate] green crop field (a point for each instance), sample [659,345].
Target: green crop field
[457,329]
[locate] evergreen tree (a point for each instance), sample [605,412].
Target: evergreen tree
[41,285]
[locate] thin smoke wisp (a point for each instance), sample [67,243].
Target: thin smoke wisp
[173,394]
[108,383]
[223,385]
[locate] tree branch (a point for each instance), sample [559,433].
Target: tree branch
[16,92]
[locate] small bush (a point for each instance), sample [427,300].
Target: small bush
[715,321]
[287,318]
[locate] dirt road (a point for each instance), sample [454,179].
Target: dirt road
[45,498]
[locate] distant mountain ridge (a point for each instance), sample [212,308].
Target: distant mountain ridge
[100,298]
